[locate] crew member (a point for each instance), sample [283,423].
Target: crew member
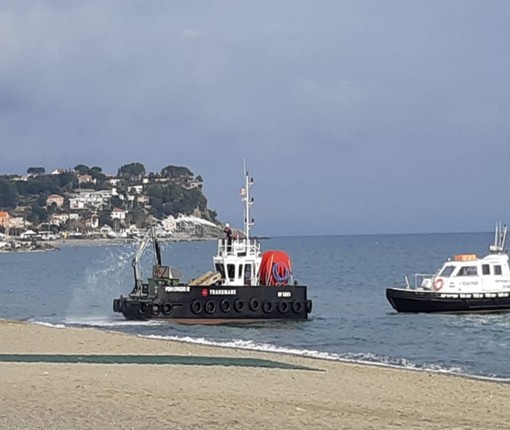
[228,234]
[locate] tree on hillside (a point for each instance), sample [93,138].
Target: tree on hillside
[176,172]
[132,171]
[36,170]
[9,196]
[95,170]
[82,169]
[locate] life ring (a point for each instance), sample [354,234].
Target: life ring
[267,306]
[254,304]
[283,307]
[166,309]
[438,284]
[298,307]
[196,307]
[155,309]
[239,305]
[225,306]
[210,307]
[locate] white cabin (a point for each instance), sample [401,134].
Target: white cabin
[238,259]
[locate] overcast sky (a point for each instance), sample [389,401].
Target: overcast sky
[353,116]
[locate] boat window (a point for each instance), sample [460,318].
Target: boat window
[247,272]
[231,269]
[486,269]
[220,269]
[447,271]
[497,270]
[467,271]
[240,273]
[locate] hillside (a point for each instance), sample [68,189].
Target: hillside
[87,201]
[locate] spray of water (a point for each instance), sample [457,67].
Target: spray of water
[106,278]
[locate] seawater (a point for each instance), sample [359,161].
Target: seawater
[346,275]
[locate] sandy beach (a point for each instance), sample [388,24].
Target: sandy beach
[333,395]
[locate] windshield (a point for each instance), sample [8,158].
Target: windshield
[447,271]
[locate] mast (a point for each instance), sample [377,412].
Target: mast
[499,239]
[248,201]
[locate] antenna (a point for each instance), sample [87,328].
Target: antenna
[245,192]
[499,238]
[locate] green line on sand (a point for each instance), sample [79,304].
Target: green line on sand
[149,359]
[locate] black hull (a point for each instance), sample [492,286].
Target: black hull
[218,303]
[403,300]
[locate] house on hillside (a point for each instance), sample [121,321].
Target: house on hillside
[55,198]
[119,214]
[4,219]
[86,179]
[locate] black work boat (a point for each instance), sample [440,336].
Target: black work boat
[463,284]
[246,284]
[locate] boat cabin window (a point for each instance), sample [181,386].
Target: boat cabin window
[497,270]
[467,271]
[231,269]
[220,269]
[486,269]
[240,272]
[447,271]
[247,274]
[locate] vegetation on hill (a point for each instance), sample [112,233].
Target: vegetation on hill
[71,198]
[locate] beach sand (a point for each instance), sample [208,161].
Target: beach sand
[136,396]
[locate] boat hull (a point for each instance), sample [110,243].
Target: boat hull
[408,300]
[218,303]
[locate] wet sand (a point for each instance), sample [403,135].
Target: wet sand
[134,396]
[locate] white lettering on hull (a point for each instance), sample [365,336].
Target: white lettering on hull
[177,289]
[223,292]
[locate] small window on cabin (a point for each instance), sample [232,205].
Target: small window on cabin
[220,269]
[447,271]
[486,269]
[497,270]
[231,269]
[247,271]
[240,272]
[467,271]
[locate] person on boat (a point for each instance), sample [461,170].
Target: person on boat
[228,235]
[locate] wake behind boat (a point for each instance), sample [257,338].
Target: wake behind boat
[464,284]
[245,285]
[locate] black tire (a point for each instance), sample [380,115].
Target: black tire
[239,305]
[225,306]
[308,306]
[267,307]
[254,304]
[196,307]
[210,307]
[155,309]
[166,309]
[115,305]
[283,307]
[142,309]
[298,307]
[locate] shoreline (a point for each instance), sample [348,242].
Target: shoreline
[283,352]
[112,396]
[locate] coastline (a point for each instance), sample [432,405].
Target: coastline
[335,395]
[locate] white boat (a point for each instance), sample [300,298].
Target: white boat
[464,283]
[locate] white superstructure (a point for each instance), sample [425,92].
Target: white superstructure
[238,259]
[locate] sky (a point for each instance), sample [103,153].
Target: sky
[353,116]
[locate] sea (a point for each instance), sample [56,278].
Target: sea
[346,276]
